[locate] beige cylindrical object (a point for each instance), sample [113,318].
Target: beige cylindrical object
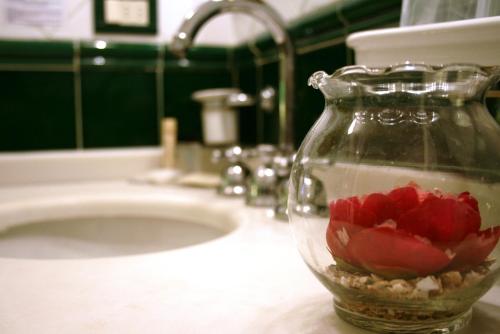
[169,141]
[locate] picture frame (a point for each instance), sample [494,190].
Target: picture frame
[125,16]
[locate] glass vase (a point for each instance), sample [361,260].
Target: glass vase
[394,195]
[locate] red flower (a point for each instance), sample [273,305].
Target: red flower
[409,232]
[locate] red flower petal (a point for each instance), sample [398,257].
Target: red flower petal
[449,220]
[381,206]
[441,219]
[474,249]
[350,210]
[338,235]
[416,220]
[468,199]
[343,209]
[405,198]
[472,220]
[389,252]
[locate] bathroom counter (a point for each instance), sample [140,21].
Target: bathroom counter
[251,280]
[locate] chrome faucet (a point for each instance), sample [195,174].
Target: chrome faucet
[272,20]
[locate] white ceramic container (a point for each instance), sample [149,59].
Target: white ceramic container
[466,41]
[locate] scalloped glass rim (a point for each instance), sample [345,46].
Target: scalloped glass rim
[487,72]
[416,67]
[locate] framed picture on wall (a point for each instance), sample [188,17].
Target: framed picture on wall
[125,16]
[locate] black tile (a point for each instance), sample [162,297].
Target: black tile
[248,118]
[36,111]
[119,108]
[270,77]
[310,102]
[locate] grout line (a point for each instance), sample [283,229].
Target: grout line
[252,46]
[260,113]
[78,96]
[37,68]
[265,60]
[321,45]
[160,91]
[302,50]
[346,23]
[235,75]
[61,68]
[259,58]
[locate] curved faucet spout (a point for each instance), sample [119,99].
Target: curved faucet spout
[272,20]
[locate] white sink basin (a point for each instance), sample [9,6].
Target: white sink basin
[106,226]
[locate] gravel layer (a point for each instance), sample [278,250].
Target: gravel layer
[414,289]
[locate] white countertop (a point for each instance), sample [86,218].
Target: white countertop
[249,281]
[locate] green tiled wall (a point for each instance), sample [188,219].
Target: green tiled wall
[66,95]
[245,75]
[269,77]
[319,40]
[36,96]
[119,108]
[60,95]
[36,111]
[310,102]
[119,97]
[249,135]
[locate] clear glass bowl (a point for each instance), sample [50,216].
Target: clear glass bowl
[394,195]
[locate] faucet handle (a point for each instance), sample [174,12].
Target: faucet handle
[239,100]
[282,164]
[235,154]
[231,154]
[268,98]
[234,173]
[265,153]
